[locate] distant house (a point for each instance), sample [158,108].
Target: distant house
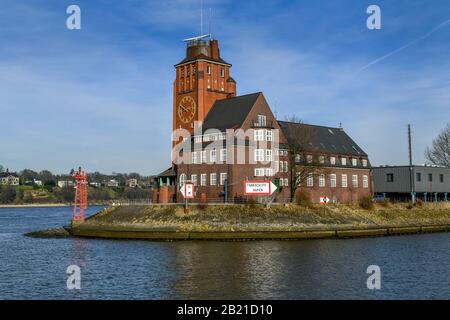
[111,183]
[132,183]
[95,184]
[9,178]
[65,183]
[38,182]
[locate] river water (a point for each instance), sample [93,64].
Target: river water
[412,267]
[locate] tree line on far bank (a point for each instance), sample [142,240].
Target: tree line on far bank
[49,192]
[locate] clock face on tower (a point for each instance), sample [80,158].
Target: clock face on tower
[186,109]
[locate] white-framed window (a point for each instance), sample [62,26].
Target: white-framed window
[259,154]
[364,162]
[281,182]
[203,178]
[198,139]
[203,157]
[365,182]
[269,155]
[269,172]
[286,182]
[223,177]
[355,181]
[269,135]
[194,157]
[259,135]
[182,179]
[322,159]
[344,161]
[222,88]
[223,155]
[213,179]
[212,155]
[286,166]
[208,69]
[333,160]
[194,179]
[310,181]
[344,181]
[298,158]
[333,180]
[222,72]
[209,84]
[354,162]
[322,180]
[309,158]
[261,120]
[259,172]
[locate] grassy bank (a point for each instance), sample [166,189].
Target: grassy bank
[286,218]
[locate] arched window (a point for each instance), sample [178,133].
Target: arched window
[182,179]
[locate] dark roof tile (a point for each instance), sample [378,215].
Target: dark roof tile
[230,113]
[323,139]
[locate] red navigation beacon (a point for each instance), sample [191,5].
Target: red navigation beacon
[81,195]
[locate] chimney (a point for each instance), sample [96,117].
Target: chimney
[215,50]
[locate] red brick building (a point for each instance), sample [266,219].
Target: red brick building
[229,139]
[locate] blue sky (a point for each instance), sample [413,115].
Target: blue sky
[101,97]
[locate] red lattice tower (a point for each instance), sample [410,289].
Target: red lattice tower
[81,195]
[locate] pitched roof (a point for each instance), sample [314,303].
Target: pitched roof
[167,173]
[230,113]
[8,174]
[322,139]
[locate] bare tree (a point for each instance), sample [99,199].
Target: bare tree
[303,160]
[439,153]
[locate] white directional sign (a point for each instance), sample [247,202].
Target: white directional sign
[324,200]
[187,190]
[259,188]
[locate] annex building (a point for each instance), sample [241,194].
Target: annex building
[221,140]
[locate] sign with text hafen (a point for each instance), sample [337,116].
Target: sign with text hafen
[259,188]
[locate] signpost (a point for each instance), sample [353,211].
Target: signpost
[324,200]
[188,192]
[259,188]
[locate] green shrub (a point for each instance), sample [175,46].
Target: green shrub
[252,203]
[303,198]
[384,203]
[419,202]
[366,203]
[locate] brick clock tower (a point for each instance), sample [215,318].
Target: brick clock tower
[201,79]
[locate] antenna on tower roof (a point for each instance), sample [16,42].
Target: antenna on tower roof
[201,17]
[210,33]
[201,36]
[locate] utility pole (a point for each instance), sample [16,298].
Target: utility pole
[411,167]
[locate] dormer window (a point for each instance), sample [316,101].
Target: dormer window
[261,120]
